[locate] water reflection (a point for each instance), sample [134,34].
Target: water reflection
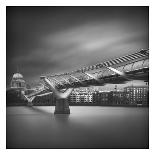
[39,110]
[63,118]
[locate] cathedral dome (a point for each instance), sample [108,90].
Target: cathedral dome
[17,76]
[18,81]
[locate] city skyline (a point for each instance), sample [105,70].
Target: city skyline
[59,39]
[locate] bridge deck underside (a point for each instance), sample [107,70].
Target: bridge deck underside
[142,74]
[139,70]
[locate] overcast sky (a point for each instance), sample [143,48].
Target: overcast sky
[48,40]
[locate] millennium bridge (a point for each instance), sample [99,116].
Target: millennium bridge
[133,66]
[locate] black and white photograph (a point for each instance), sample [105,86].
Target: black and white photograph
[77,77]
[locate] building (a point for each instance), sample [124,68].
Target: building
[138,95]
[18,81]
[81,96]
[88,96]
[18,86]
[118,98]
[101,97]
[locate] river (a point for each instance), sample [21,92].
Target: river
[85,127]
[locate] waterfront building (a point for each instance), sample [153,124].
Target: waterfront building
[81,96]
[138,95]
[101,97]
[118,98]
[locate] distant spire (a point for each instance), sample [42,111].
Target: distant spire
[17,69]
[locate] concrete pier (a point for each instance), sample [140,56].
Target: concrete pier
[62,106]
[30,104]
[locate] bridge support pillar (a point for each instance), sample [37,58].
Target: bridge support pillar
[30,104]
[62,106]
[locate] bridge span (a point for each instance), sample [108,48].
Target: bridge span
[115,71]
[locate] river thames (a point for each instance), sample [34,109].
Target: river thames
[85,127]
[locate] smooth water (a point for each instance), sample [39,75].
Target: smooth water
[85,127]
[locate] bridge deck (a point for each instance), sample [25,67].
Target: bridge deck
[135,65]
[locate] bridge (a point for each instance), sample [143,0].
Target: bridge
[133,66]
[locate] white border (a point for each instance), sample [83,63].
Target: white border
[3,5]
[77,2]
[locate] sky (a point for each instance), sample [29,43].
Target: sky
[48,40]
